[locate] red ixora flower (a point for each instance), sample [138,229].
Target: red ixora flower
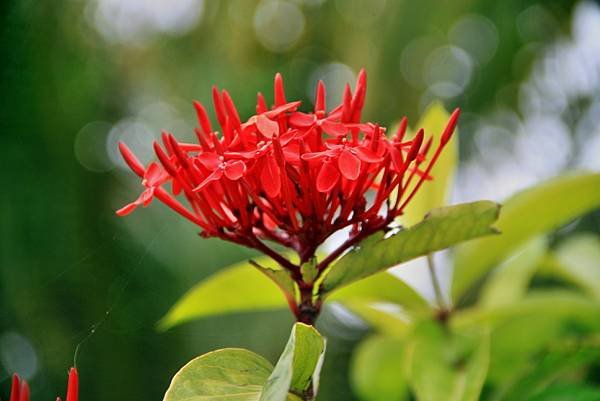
[20,389]
[289,177]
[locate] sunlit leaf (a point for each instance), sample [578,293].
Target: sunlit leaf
[377,369]
[225,375]
[239,288]
[441,228]
[528,214]
[434,194]
[298,366]
[510,280]
[443,365]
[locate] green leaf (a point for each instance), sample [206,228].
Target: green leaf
[447,366]
[238,288]
[510,280]
[434,194]
[224,375]
[298,367]
[377,369]
[577,260]
[530,213]
[441,228]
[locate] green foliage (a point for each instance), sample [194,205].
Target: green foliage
[528,214]
[436,193]
[241,375]
[440,229]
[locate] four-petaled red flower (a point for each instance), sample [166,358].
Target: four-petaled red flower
[289,177]
[20,389]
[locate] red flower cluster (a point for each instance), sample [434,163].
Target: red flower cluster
[289,177]
[20,389]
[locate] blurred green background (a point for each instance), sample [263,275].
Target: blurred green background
[77,76]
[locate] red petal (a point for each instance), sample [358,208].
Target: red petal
[209,160]
[73,386]
[282,109]
[328,176]
[299,119]
[314,156]
[270,177]
[131,160]
[349,165]
[235,170]
[216,175]
[266,127]
[367,155]
[175,187]
[333,128]
[24,396]
[125,210]
[15,388]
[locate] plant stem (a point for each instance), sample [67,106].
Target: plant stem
[439,297]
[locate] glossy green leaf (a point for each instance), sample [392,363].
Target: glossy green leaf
[238,288]
[377,369]
[447,366]
[435,193]
[440,229]
[510,280]
[528,214]
[224,375]
[298,366]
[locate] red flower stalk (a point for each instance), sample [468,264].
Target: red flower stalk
[20,389]
[289,177]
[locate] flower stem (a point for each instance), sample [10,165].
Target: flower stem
[439,297]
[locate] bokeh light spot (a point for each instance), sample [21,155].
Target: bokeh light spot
[278,25]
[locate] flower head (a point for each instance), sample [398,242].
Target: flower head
[289,177]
